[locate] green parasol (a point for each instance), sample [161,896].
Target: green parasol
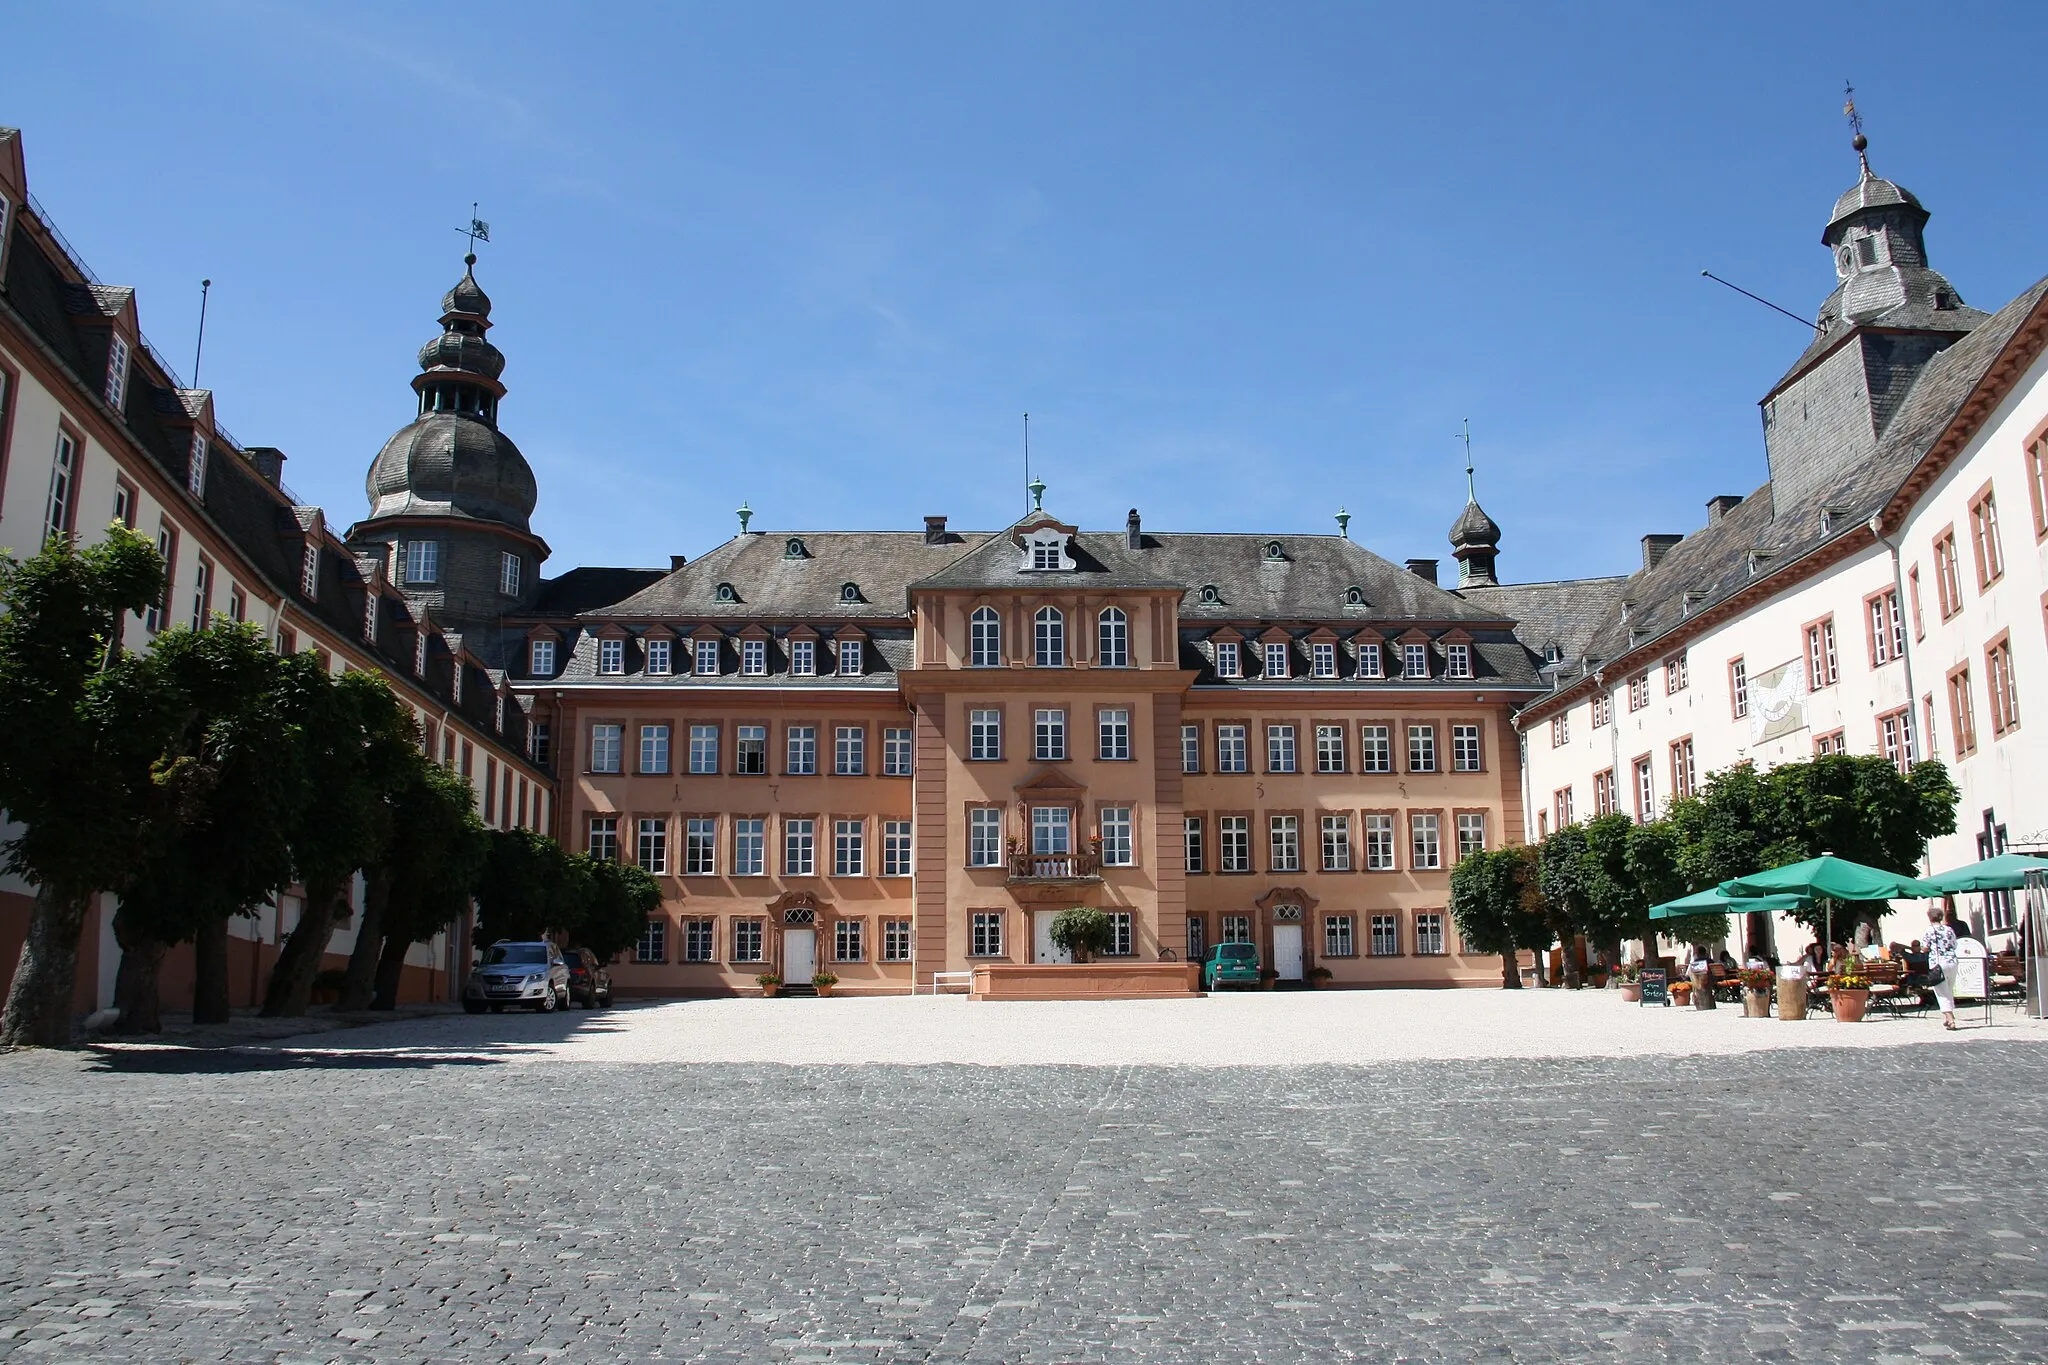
[1828,875]
[2006,872]
[1714,901]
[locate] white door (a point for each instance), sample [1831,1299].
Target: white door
[1287,951]
[1043,949]
[799,956]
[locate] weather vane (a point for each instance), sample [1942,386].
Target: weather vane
[1859,142]
[1466,436]
[477,231]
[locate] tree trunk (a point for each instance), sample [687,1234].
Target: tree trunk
[360,983]
[390,970]
[1511,971]
[210,973]
[38,1012]
[298,962]
[135,981]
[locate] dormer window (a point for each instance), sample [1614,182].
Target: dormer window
[1458,660]
[1226,659]
[1552,655]
[793,548]
[1943,300]
[422,561]
[1046,552]
[1866,251]
[1276,659]
[725,593]
[540,658]
[1415,661]
[850,658]
[849,592]
[707,658]
[1354,597]
[803,658]
[659,656]
[195,466]
[611,656]
[1371,662]
[1274,552]
[369,611]
[419,655]
[309,570]
[117,370]
[1211,597]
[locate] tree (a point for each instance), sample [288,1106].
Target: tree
[621,898]
[529,888]
[1563,872]
[1654,856]
[424,880]
[1082,931]
[1498,908]
[74,772]
[355,740]
[1860,807]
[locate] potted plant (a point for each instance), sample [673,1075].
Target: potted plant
[1756,992]
[1631,974]
[769,983]
[1596,976]
[1849,993]
[1681,991]
[1319,976]
[824,982]
[1268,978]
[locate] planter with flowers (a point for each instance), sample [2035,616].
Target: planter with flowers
[1319,977]
[823,982]
[1756,992]
[769,983]
[1631,975]
[1849,993]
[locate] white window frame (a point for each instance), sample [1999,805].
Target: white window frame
[1458,661]
[754,658]
[540,659]
[749,941]
[849,940]
[704,657]
[611,656]
[700,846]
[985,836]
[1118,849]
[750,750]
[1112,638]
[1228,661]
[1336,842]
[985,933]
[1339,936]
[985,638]
[1383,936]
[985,735]
[1282,751]
[607,738]
[660,657]
[1376,748]
[1232,749]
[1467,756]
[1113,734]
[1330,756]
[1049,735]
[1472,831]
[895,940]
[654,748]
[511,573]
[1283,843]
[750,846]
[1415,661]
[1380,850]
[652,945]
[1049,638]
[1429,933]
[799,846]
[1372,662]
[898,755]
[803,658]
[63,483]
[117,370]
[1193,847]
[800,751]
[1275,664]
[850,848]
[1233,843]
[650,845]
[896,848]
[195,466]
[852,658]
[850,751]
[704,749]
[1422,755]
[1322,657]
[1191,748]
[700,940]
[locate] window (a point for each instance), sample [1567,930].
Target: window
[703,749]
[1371,662]
[1458,660]
[1646,791]
[167,551]
[63,482]
[852,658]
[658,656]
[1887,630]
[849,940]
[1682,773]
[604,838]
[1429,933]
[117,370]
[540,657]
[1984,539]
[1191,748]
[604,747]
[849,848]
[1280,756]
[1913,595]
[1639,692]
[2005,699]
[1602,708]
[422,561]
[1198,946]
[700,941]
[754,658]
[124,491]
[202,598]
[1113,733]
[1415,661]
[1052,830]
[509,574]
[896,752]
[984,638]
[750,750]
[537,737]
[895,848]
[1422,748]
[1385,936]
[238,607]
[985,933]
[1336,843]
[1379,842]
[1833,742]
[803,658]
[1283,840]
[1675,675]
[985,836]
[611,656]
[2037,470]
[1276,659]
[1227,665]
[1464,748]
[1561,807]
[700,845]
[1049,735]
[1472,832]
[1049,638]
[651,847]
[803,751]
[1962,712]
[1338,940]
[1948,583]
[1237,929]
[850,750]
[746,941]
[799,847]
[1738,687]
[1191,832]
[1330,749]
[1820,654]
[1113,639]
[1322,659]
[895,940]
[1606,793]
[653,943]
[1045,553]
[706,658]
[1120,944]
[749,846]
[1234,835]
[1375,747]
[1117,848]
[1560,730]
[985,735]
[1230,749]
[654,748]
[309,570]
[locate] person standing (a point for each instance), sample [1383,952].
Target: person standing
[1941,956]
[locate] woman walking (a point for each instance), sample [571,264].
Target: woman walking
[1941,965]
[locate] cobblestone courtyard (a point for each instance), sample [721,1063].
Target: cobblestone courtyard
[410,1192]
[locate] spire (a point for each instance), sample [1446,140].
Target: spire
[1475,538]
[1859,142]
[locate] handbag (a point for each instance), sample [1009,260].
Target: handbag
[1935,975]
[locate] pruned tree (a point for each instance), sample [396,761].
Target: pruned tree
[1081,930]
[421,884]
[1498,907]
[1654,857]
[1563,871]
[1860,807]
[622,896]
[529,888]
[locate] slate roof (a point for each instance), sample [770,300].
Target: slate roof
[886,652]
[1566,613]
[770,585]
[587,589]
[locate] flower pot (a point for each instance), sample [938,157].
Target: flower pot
[1756,1004]
[824,991]
[1849,1005]
[768,992]
[1791,999]
[1681,993]
[1632,992]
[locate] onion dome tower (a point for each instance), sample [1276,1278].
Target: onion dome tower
[450,494]
[1475,540]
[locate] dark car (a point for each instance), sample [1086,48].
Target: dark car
[589,982]
[1230,964]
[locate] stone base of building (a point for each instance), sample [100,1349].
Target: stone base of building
[1087,981]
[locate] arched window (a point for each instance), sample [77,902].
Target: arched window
[849,592]
[1113,639]
[1050,638]
[985,639]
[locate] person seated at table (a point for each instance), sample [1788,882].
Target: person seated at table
[1916,966]
[1814,960]
[1725,960]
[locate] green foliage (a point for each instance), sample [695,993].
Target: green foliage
[529,887]
[435,856]
[1655,854]
[356,742]
[621,898]
[1496,902]
[1081,930]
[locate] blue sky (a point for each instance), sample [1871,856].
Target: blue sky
[1241,263]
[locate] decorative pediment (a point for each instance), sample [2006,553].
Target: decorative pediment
[612,630]
[657,631]
[1274,635]
[1322,635]
[1287,896]
[1051,783]
[1456,635]
[1229,635]
[796,900]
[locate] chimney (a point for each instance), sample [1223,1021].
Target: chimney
[1655,548]
[1720,507]
[269,462]
[1133,537]
[935,530]
[1423,568]
[677,561]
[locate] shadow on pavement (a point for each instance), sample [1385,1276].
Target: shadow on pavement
[187,1061]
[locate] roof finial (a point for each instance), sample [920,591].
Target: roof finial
[1859,142]
[1343,523]
[745,514]
[477,231]
[1037,487]
[1471,492]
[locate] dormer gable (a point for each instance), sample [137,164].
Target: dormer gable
[1045,544]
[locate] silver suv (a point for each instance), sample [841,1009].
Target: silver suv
[530,974]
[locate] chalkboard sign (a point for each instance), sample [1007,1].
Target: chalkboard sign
[1656,987]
